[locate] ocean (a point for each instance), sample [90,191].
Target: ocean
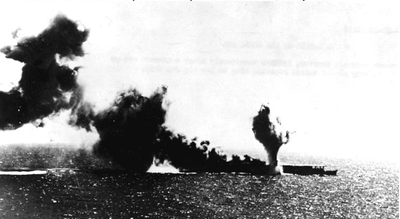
[362,189]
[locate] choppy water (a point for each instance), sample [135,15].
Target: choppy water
[361,190]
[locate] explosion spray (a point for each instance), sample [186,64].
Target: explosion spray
[265,133]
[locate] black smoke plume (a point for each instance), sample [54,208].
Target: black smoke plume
[45,86]
[131,131]
[265,133]
[129,128]
[132,137]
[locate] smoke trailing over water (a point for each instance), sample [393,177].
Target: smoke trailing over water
[265,133]
[188,155]
[45,86]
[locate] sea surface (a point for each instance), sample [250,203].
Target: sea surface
[362,189]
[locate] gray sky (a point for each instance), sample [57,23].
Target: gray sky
[328,70]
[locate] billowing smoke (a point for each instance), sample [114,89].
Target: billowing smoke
[131,131]
[128,129]
[45,86]
[264,131]
[132,136]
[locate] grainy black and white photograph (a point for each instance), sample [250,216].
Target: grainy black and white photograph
[198,109]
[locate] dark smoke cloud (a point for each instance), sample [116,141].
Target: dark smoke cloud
[45,86]
[129,128]
[264,131]
[132,136]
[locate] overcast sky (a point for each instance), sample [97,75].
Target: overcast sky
[328,70]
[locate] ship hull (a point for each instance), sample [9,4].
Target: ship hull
[307,170]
